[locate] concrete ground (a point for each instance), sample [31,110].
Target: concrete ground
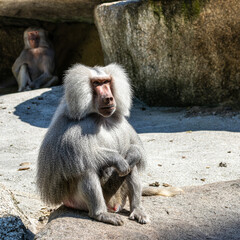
[182,150]
[205,212]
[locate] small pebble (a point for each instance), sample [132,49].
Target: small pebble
[166,185]
[23,168]
[222,164]
[156,184]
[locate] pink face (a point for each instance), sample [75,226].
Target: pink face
[33,39]
[103,95]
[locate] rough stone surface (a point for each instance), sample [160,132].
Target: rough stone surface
[12,219]
[182,151]
[206,212]
[177,52]
[50,10]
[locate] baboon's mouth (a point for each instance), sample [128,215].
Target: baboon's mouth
[107,111]
[108,107]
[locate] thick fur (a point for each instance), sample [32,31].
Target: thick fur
[79,140]
[78,93]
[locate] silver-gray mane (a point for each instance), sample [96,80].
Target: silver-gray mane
[78,92]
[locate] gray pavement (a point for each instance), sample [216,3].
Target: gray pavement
[182,151]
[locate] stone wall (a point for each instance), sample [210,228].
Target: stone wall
[177,52]
[50,10]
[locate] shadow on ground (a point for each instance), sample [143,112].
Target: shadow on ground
[39,110]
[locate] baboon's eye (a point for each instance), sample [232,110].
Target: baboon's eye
[96,83]
[107,81]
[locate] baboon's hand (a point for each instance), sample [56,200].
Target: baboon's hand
[118,162]
[123,168]
[133,156]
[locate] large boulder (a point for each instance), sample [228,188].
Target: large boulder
[206,212]
[50,10]
[178,52]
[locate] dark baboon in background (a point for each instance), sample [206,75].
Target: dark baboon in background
[35,65]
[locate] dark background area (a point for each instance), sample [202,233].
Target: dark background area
[72,42]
